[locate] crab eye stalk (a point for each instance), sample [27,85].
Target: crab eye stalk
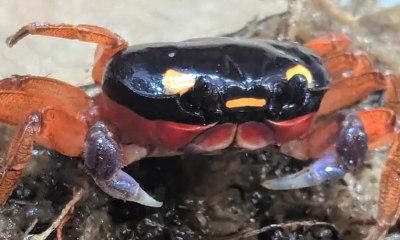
[203,100]
[206,95]
[298,83]
[295,94]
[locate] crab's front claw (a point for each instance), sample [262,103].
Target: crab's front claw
[329,167]
[350,151]
[123,186]
[104,161]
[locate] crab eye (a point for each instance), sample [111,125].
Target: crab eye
[298,84]
[207,95]
[203,100]
[300,70]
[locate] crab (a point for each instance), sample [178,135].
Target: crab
[203,96]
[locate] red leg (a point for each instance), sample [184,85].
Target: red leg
[45,111]
[110,42]
[50,128]
[53,88]
[362,81]
[392,94]
[22,95]
[333,49]
[351,90]
[379,124]
[389,185]
[62,132]
[332,43]
[18,156]
[15,106]
[389,193]
[357,62]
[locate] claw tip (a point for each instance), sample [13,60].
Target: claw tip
[145,199]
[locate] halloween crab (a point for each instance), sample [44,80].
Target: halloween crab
[203,96]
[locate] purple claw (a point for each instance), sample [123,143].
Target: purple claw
[328,168]
[104,161]
[350,150]
[124,187]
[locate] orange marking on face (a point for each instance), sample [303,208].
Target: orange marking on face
[177,83]
[299,69]
[246,102]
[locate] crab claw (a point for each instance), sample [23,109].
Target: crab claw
[124,187]
[328,168]
[103,160]
[349,154]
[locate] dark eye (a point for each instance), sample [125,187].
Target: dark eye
[206,95]
[203,100]
[298,83]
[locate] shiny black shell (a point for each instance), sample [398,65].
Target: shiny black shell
[225,69]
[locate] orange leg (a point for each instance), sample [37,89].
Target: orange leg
[45,111]
[22,95]
[392,94]
[362,81]
[389,185]
[351,90]
[109,42]
[18,156]
[339,63]
[333,49]
[45,128]
[389,193]
[332,43]
[53,88]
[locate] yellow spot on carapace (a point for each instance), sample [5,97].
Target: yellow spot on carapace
[177,83]
[299,69]
[246,102]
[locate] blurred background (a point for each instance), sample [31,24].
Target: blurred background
[196,207]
